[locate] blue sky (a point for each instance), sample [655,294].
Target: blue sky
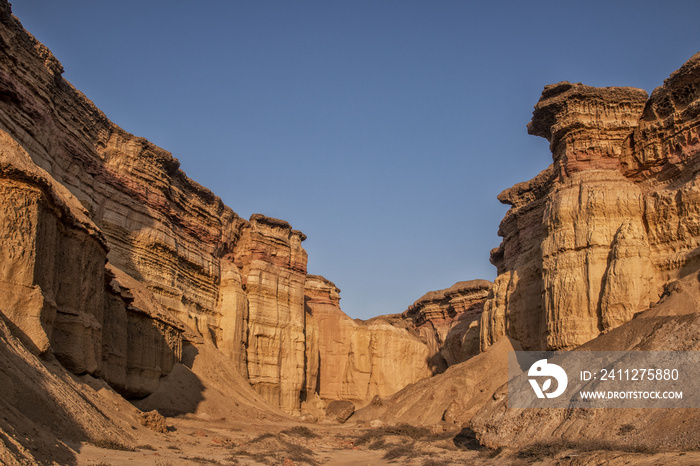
[384,130]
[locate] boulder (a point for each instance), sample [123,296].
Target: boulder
[340,410]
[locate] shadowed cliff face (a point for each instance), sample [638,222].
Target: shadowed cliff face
[593,238]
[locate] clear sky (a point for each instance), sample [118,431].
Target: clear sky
[382,129]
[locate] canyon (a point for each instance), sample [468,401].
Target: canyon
[127,288]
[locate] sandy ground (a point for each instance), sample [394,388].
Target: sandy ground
[193,440]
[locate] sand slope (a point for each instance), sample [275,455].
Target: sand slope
[467,386]
[208,385]
[673,324]
[43,409]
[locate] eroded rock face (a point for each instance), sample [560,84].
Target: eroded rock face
[57,294]
[447,321]
[273,271]
[48,241]
[666,138]
[359,360]
[593,238]
[237,284]
[362,361]
[585,125]
[182,266]
[142,333]
[593,227]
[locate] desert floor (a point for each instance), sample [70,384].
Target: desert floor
[195,440]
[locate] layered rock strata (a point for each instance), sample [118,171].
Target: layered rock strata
[273,269]
[142,333]
[447,321]
[56,293]
[593,238]
[182,267]
[225,278]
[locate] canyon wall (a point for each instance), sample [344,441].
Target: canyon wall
[359,360]
[592,239]
[57,294]
[114,260]
[447,321]
[117,263]
[237,284]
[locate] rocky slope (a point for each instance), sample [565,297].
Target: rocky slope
[453,396]
[671,325]
[45,410]
[593,238]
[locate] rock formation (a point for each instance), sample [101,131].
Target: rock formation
[447,321]
[57,294]
[96,193]
[474,393]
[182,268]
[359,360]
[272,265]
[593,238]
[119,269]
[671,325]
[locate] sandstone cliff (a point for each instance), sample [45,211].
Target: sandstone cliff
[359,360]
[57,294]
[182,269]
[273,271]
[447,321]
[593,238]
[96,193]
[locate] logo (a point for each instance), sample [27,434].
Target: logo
[542,368]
